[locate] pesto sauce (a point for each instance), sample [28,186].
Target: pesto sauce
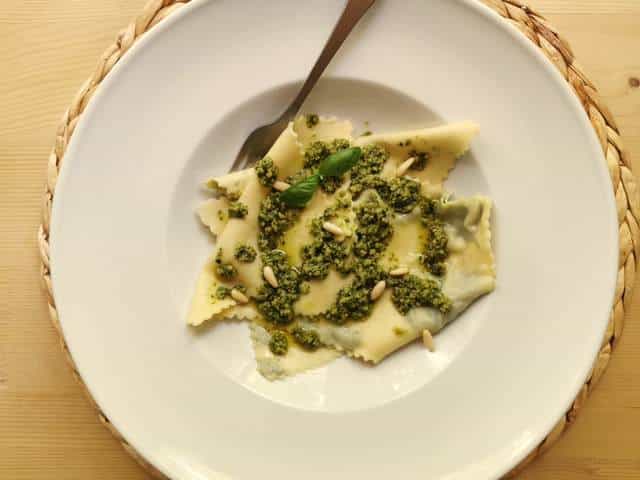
[245,253]
[315,153]
[358,256]
[411,292]
[222,191]
[331,184]
[366,170]
[274,218]
[233,196]
[374,229]
[307,339]
[325,250]
[402,194]
[276,304]
[238,210]
[223,292]
[436,248]
[353,302]
[311,120]
[279,343]
[225,271]
[266,171]
[322,253]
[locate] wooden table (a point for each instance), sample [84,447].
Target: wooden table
[47,428]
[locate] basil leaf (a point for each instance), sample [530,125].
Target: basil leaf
[340,162]
[299,194]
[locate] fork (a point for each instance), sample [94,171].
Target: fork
[262,138]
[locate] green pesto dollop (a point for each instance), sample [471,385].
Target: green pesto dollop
[238,210]
[436,248]
[306,338]
[331,184]
[311,120]
[266,171]
[245,253]
[322,253]
[411,292]
[225,271]
[402,194]
[274,218]
[342,200]
[366,170]
[233,196]
[421,159]
[374,229]
[223,292]
[279,343]
[276,304]
[325,250]
[353,302]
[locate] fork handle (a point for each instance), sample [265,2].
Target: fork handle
[351,15]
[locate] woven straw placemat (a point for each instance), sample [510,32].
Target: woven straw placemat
[535,28]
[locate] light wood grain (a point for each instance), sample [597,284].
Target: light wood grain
[47,428]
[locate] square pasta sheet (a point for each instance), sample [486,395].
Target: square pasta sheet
[467,272]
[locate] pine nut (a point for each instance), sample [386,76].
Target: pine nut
[333,228]
[404,166]
[427,340]
[269,276]
[238,296]
[378,290]
[399,272]
[280,185]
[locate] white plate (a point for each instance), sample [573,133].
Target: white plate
[126,245]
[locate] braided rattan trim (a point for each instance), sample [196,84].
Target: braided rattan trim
[545,37]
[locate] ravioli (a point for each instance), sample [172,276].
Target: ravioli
[213,214]
[442,145]
[470,274]
[322,272]
[297,360]
[234,182]
[205,305]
